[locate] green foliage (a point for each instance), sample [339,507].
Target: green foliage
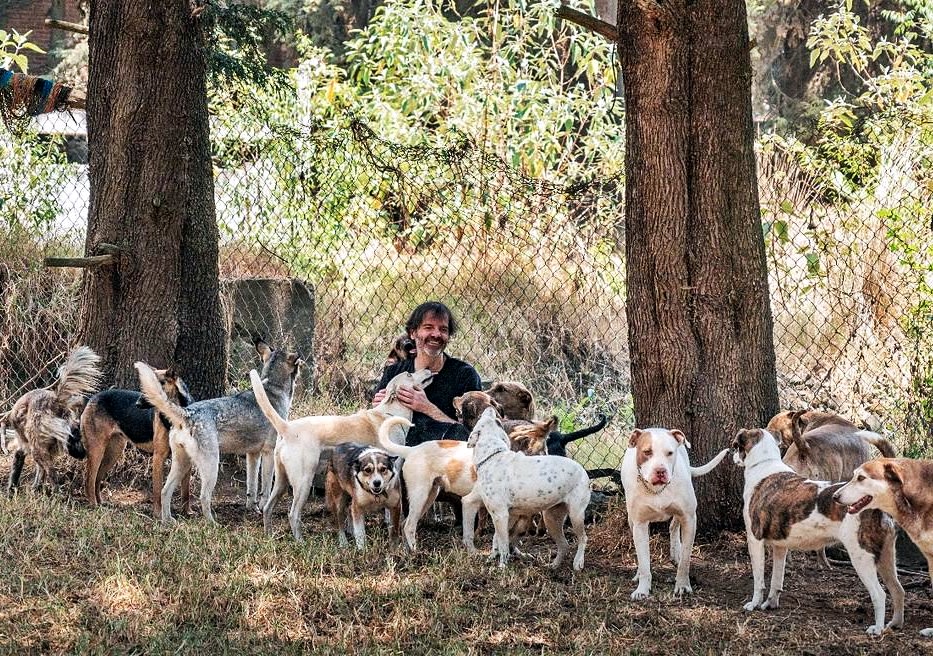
[12,47]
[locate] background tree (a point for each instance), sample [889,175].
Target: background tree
[152,195]
[700,327]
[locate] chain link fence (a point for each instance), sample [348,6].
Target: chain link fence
[366,229]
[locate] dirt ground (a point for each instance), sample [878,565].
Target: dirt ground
[823,611]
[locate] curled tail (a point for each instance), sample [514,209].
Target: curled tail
[385,430]
[79,376]
[710,466]
[277,421]
[152,389]
[567,438]
[879,442]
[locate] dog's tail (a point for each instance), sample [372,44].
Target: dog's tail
[74,445]
[280,425]
[152,389]
[710,466]
[79,376]
[385,430]
[567,438]
[879,442]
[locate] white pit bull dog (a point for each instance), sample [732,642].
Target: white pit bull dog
[657,478]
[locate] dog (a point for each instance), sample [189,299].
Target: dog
[528,436]
[902,488]
[657,479]
[786,511]
[514,399]
[298,449]
[509,482]
[229,424]
[824,446]
[116,416]
[429,468]
[403,348]
[364,479]
[44,419]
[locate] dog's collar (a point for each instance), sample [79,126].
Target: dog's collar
[647,485]
[486,459]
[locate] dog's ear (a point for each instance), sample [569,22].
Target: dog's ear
[295,360]
[262,349]
[893,473]
[633,438]
[496,406]
[458,404]
[680,437]
[798,424]
[803,446]
[552,423]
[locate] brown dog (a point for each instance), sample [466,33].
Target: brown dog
[44,419]
[114,417]
[902,488]
[514,399]
[824,446]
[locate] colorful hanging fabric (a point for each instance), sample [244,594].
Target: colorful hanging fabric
[22,96]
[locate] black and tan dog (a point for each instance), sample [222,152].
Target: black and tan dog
[363,479]
[44,419]
[403,348]
[117,416]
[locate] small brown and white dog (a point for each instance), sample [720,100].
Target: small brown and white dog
[44,419]
[301,441]
[902,488]
[429,468]
[363,479]
[657,479]
[509,482]
[117,416]
[788,512]
[824,446]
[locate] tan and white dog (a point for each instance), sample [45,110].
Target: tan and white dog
[657,478]
[902,488]
[788,512]
[511,482]
[429,468]
[301,441]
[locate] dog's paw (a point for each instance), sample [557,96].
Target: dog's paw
[640,594]
[680,589]
[770,603]
[927,633]
[874,630]
[750,606]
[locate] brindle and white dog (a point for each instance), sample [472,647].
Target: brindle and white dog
[788,512]
[363,479]
[904,489]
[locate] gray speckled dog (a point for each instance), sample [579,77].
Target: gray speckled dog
[229,424]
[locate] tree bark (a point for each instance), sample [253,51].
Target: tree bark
[152,194]
[700,327]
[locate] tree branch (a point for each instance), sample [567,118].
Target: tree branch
[602,28]
[65,25]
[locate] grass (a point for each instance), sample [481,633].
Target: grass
[109,581]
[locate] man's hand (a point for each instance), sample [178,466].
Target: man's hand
[416,400]
[380,395]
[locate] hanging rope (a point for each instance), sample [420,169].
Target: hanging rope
[23,96]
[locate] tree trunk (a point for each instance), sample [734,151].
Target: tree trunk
[700,327]
[152,194]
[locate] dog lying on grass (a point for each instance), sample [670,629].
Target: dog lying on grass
[786,511]
[902,488]
[511,483]
[44,419]
[363,479]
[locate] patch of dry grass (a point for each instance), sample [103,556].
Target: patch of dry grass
[114,581]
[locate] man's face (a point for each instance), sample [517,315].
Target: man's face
[432,335]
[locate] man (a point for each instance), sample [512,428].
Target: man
[430,326]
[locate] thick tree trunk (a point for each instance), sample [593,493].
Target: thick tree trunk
[700,325]
[152,194]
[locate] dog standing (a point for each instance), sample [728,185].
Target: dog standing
[657,478]
[298,449]
[824,446]
[786,511]
[428,469]
[364,479]
[902,488]
[229,424]
[114,417]
[509,482]
[44,419]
